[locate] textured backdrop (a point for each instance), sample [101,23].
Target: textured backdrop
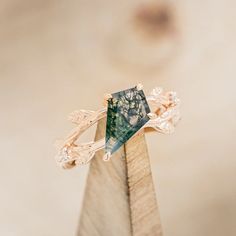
[58,56]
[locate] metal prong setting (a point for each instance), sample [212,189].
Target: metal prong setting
[139,86]
[107,96]
[152,115]
[107,156]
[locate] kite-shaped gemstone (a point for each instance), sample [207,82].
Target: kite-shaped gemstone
[126,114]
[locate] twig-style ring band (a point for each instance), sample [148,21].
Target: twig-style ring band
[127,113]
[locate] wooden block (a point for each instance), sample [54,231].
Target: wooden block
[119,198]
[145,218]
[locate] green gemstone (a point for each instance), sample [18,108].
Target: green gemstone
[126,114]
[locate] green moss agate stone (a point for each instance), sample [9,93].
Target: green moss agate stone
[126,113]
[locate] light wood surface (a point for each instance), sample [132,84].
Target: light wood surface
[57,56]
[119,197]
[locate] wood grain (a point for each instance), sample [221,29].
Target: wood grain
[119,197]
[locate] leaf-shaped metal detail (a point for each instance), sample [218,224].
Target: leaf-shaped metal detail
[79,116]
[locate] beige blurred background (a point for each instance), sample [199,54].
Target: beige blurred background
[59,56]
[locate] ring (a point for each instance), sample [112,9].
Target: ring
[128,112]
